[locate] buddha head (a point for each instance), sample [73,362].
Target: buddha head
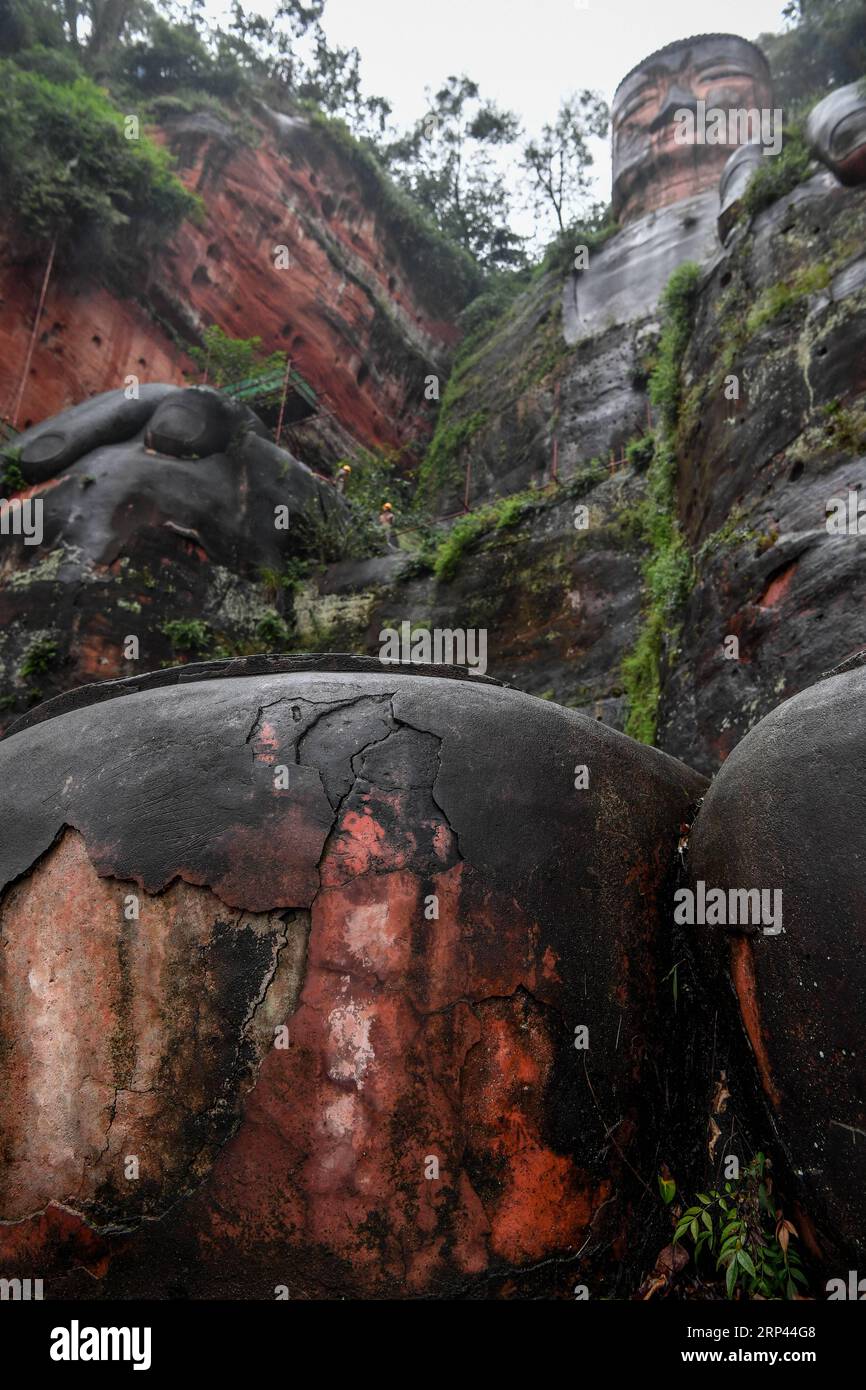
[652,165]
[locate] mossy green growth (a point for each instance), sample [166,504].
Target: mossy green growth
[441,465]
[846,428]
[668,571]
[677,309]
[498,516]
[778,174]
[728,536]
[810,280]
[668,574]
[641,680]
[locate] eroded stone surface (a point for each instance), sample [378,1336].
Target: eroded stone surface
[431,1123]
[159,518]
[786,813]
[128,1035]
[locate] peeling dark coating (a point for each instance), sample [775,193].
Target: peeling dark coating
[415,1039]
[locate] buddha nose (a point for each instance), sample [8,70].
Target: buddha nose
[676,98]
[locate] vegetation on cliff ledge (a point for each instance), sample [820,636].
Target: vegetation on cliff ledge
[668,569]
[69,168]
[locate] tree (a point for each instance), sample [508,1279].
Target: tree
[95,26]
[558,162]
[447,162]
[227,360]
[291,52]
[823,47]
[26,23]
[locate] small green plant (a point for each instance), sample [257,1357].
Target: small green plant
[189,635]
[845,429]
[733,533]
[11,478]
[273,633]
[639,452]
[40,657]
[747,1233]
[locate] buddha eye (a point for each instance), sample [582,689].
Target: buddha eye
[638,103]
[718,74]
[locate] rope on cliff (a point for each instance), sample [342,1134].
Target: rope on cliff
[45,279]
[283,401]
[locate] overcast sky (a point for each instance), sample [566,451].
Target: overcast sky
[524,54]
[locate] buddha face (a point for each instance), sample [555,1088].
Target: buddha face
[651,168]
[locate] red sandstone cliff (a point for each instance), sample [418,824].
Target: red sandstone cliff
[358,307]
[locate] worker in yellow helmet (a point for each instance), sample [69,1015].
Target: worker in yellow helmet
[386,520]
[343,477]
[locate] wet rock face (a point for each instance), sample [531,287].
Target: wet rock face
[560,605]
[155,512]
[836,131]
[341,1035]
[786,813]
[781,320]
[650,168]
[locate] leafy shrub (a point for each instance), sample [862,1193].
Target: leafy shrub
[749,1236]
[639,452]
[11,478]
[189,635]
[67,167]
[273,633]
[40,657]
[233,359]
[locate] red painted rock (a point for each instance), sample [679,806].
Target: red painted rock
[296,963]
[787,815]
